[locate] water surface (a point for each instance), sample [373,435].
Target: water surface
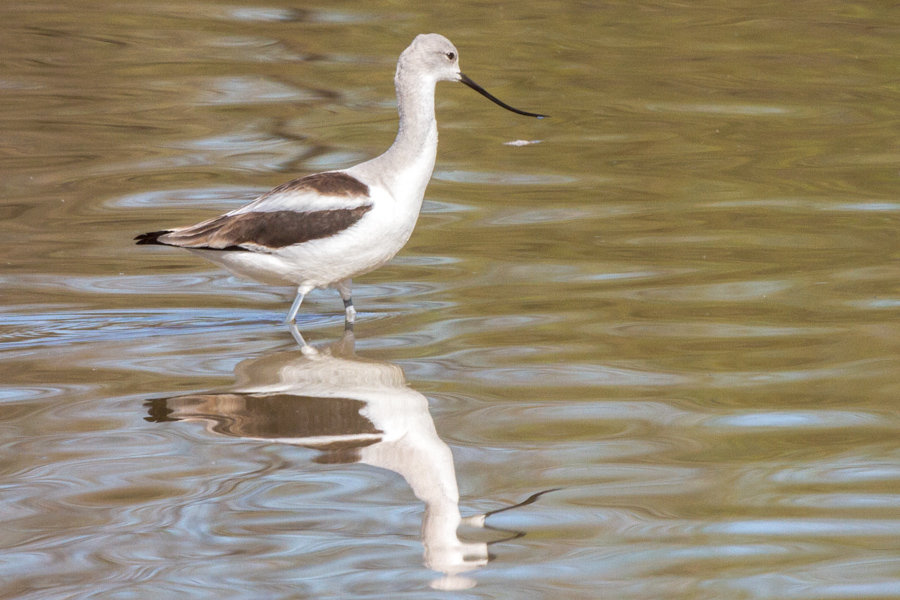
[674,304]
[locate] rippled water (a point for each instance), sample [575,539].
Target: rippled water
[660,328]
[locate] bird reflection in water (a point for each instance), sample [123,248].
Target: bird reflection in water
[351,410]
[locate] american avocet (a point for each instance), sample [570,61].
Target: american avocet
[322,230]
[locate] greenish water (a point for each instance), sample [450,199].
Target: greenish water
[677,307]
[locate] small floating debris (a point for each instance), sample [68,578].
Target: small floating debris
[521,142]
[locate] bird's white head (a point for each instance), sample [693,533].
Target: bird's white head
[432,55]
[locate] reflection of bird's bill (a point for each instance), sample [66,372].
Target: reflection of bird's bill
[479,521]
[529,500]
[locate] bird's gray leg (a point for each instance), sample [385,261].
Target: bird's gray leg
[292,314]
[344,289]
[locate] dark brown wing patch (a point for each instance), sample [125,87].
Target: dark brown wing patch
[274,230]
[327,184]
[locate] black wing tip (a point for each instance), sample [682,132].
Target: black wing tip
[151,237]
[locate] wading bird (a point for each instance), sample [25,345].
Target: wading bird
[322,230]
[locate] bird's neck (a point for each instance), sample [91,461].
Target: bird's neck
[407,165]
[418,126]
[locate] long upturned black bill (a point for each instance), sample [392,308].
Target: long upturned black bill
[485,93]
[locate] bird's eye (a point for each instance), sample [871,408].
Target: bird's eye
[451,55]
